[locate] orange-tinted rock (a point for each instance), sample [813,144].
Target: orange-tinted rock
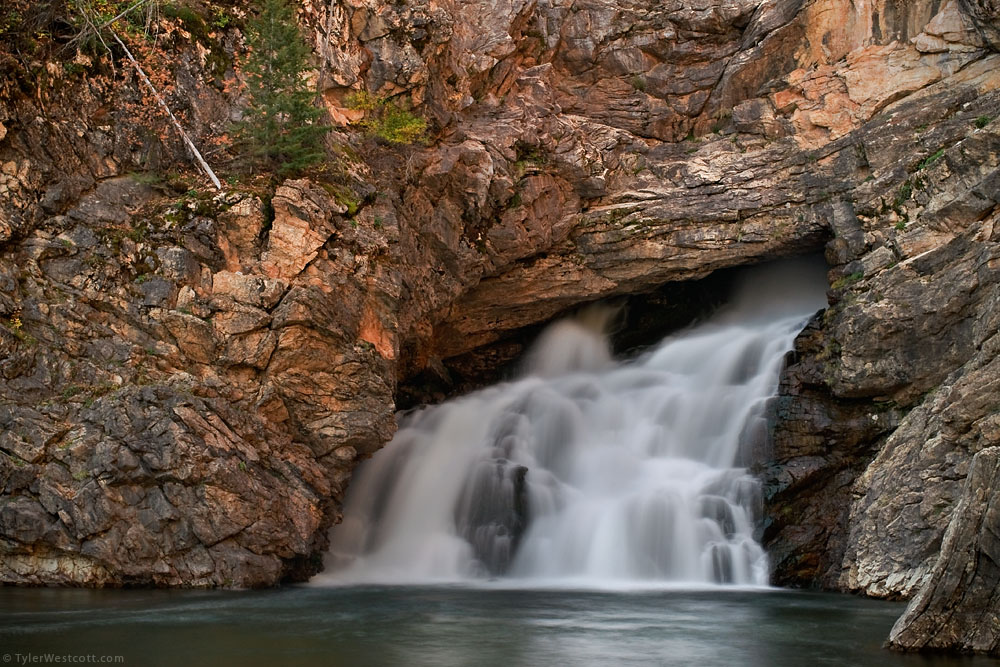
[301,226]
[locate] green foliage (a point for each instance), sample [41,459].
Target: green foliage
[91,19]
[848,280]
[528,158]
[281,128]
[387,120]
[983,121]
[11,20]
[71,391]
[905,192]
[930,159]
[220,19]
[57,28]
[638,83]
[344,196]
[16,327]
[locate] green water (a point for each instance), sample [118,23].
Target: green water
[444,626]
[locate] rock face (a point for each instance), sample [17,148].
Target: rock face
[174,482]
[958,608]
[193,377]
[835,414]
[184,418]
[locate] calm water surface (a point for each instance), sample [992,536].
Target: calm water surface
[444,626]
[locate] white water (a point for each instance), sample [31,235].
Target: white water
[586,471]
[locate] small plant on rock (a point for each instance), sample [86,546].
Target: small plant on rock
[386,120]
[930,159]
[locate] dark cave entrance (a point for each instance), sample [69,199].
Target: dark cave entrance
[643,320]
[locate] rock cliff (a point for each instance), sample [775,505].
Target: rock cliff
[189,377]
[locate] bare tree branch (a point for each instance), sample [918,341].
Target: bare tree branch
[125,11]
[187,140]
[92,30]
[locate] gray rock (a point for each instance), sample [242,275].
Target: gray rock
[157,292]
[959,608]
[179,265]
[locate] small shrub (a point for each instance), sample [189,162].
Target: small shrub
[904,193]
[71,391]
[16,327]
[983,121]
[527,157]
[220,18]
[344,196]
[139,232]
[387,120]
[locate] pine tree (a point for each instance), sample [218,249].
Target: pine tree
[280,128]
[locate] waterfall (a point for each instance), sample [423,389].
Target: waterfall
[585,470]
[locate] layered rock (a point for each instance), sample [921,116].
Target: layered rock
[183,403]
[877,527]
[579,151]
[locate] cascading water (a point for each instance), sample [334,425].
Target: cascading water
[586,471]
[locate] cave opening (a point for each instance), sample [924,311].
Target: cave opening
[642,319]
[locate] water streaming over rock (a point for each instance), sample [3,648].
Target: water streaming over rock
[586,470]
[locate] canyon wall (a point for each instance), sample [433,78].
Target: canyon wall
[189,377]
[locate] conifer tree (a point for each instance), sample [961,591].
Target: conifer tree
[281,127]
